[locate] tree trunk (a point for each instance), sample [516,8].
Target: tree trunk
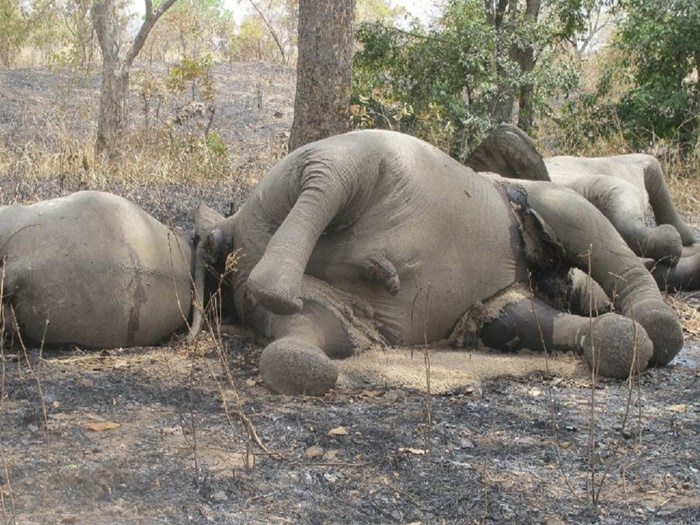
[526,113]
[114,104]
[500,15]
[324,70]
[116,65]
[503,101]
[526,60]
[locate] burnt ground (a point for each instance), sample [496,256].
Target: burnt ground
[187,434]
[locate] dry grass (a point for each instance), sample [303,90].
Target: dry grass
[48,127]
[156,158]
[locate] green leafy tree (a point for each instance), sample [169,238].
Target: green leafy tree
[648,92]
[14,30]
[279,17]
[451,83]
[190,28]
[660,44]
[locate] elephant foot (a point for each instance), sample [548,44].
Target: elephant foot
[379,269]
[661,243]
[664,329]
[683,276]
[616,346]
[275,290]
[293,366]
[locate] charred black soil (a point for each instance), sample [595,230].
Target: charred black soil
[187,434]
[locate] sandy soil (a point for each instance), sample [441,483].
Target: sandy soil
[187,434]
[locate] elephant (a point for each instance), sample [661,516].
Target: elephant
[622,187]
[381,230]
[92,269]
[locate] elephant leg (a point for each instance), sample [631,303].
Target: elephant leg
[665,210]
[592,244]
[323,199]
[295,362]
[661,243]
[619,200]
[689,251]
[683,276]
[332,325]
[614,345]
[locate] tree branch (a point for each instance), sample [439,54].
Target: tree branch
[271,29]
[150,18]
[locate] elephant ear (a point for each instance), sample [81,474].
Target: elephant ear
[511,153]
[205,219]
[543,252]
[208,245]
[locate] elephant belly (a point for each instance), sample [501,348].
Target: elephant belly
[449,254]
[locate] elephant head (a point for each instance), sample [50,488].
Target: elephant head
[381,234]
[94,270]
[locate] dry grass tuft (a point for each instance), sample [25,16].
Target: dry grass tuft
[683,179]
[687,310]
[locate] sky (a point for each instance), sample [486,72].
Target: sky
[422,9]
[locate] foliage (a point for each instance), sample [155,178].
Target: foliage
[277,20]
[648,91]
[83,42]
[193,75]
[191,28]
[443,84]
[14,30]
[376,11]
[252,42]
[661,45]
[214,142]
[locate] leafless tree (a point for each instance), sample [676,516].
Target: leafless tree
[117,58]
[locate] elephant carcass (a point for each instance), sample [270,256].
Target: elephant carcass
[420,240]
[92,269]
[622,187]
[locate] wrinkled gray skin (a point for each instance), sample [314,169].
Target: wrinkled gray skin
[422,238]
[622,187]
[94,270]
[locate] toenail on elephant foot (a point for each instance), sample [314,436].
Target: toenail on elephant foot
[616,346]
[294,367]
[664,329]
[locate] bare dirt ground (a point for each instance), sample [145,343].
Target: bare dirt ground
[187,434]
